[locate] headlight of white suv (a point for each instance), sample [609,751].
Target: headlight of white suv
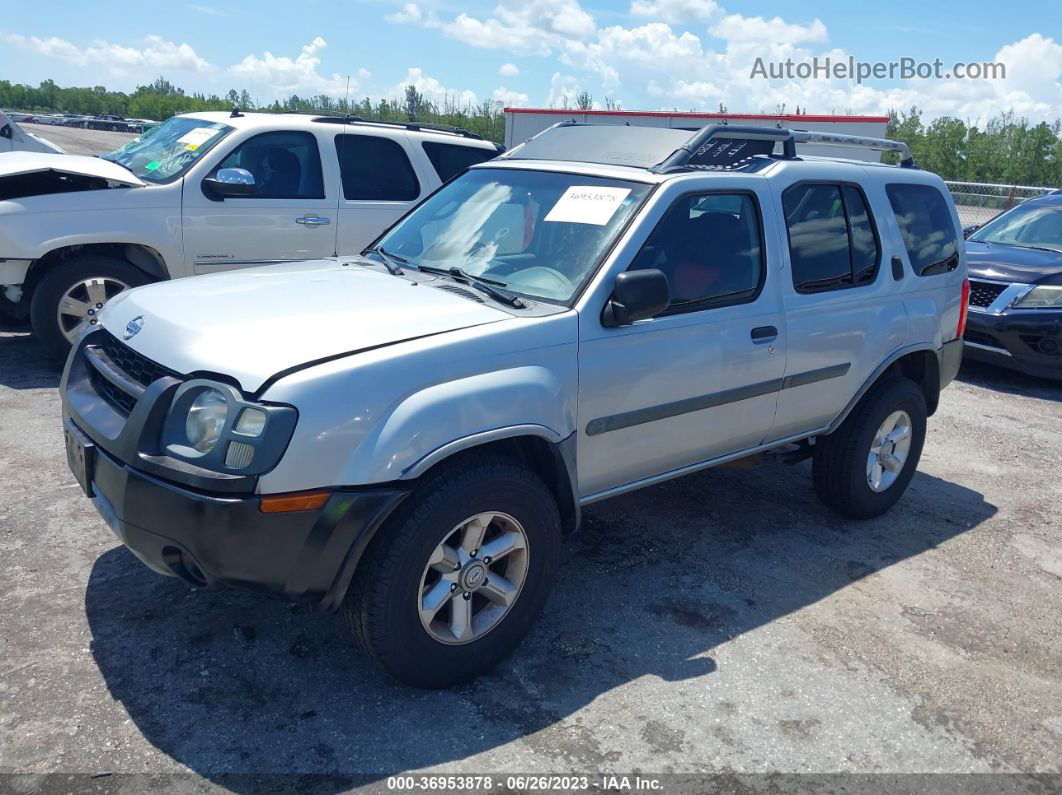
[1041,298]
[213,426]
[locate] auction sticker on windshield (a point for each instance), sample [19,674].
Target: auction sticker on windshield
[587,204]
[194,138]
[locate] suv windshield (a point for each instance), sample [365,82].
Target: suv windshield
[1032,226]
[165,152]
[540,234]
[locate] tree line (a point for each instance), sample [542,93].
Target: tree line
[1007,149]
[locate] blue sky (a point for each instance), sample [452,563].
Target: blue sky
[644,54]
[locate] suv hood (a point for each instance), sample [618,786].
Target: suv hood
[1013,264]
[252,324]
[14,164]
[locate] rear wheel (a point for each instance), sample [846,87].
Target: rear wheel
[458,576]
[70,296]
[864,467]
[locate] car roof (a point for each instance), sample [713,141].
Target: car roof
[304,121]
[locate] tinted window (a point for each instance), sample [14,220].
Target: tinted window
[927,227]
[450,160]
[375,168]
[285,165]
[832,243]
[710,249]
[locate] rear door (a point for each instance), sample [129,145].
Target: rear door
[378,184]
[844,311]
[291,217]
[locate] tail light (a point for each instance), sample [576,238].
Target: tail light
[964,306]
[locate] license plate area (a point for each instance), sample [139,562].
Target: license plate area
[80,456]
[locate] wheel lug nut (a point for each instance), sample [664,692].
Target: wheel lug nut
[457,567]
[486,582]
[453,587]
[467,596]
[487,560]
[473,553]
[99,306]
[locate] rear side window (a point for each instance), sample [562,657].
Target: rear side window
[375,169]
[833,243]
[450,160]
[926,226]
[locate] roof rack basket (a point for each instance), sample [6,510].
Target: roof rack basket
[700,142]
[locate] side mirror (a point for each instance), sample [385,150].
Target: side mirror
[969,230]
[637,295]
[229,182]
[5,131]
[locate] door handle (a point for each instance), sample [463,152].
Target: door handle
[762,334]
[313,220]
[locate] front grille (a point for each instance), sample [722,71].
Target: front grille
[134,366]
[984,293]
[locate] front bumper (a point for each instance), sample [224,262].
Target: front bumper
[216,539]
[1026,340]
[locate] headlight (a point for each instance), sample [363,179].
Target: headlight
[213,426]
[206,418]
[1041,298]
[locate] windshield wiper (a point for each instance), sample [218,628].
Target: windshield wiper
[479,283]
[1035,248]
[390,261]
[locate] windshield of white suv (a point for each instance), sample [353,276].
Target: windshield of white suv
[539,234]
[1029,226]
[165,152]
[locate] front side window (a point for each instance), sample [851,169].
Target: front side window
[926,227]
[710,248]
[541,234]
[165,152]
[285,165]
[832,242]
[375,169]
[449,160]
[1026,226]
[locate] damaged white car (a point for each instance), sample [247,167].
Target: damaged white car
[14,139]
[202,193]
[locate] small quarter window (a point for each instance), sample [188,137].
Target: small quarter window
[375,168]
[926,226]
[832,241]
[449,160]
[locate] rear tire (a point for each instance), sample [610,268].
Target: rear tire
[861,469]
[86,284]
[388,609]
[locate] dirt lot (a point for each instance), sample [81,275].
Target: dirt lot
[725,622]
[76,141]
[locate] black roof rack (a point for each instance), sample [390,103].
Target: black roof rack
[663,150]
[408,125]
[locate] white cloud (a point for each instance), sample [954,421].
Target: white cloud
[563,89]
[281,75]
[757,29]
[675,10]
[210,11]
[510,99]
[154,55]
[409,14]
[508,70]
[434,91]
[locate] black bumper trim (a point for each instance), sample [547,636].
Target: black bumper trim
[1013,332]
[225,540]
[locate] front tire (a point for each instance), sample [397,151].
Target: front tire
[864,467]
[487,527]
[69,297]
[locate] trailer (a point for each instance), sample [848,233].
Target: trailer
[523,123]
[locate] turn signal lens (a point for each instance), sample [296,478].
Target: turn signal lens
[300,501]
[964,308]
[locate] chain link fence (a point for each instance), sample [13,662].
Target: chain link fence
[980,202]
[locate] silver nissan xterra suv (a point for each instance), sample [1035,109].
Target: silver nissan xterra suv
[408,434]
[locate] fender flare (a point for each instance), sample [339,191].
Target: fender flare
[894,357]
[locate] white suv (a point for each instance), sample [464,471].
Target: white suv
[408,434]
[202,193]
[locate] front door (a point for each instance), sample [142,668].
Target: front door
[291,216]
[701,380]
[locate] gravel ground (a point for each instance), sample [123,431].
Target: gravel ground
[76,141]
[723,623]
